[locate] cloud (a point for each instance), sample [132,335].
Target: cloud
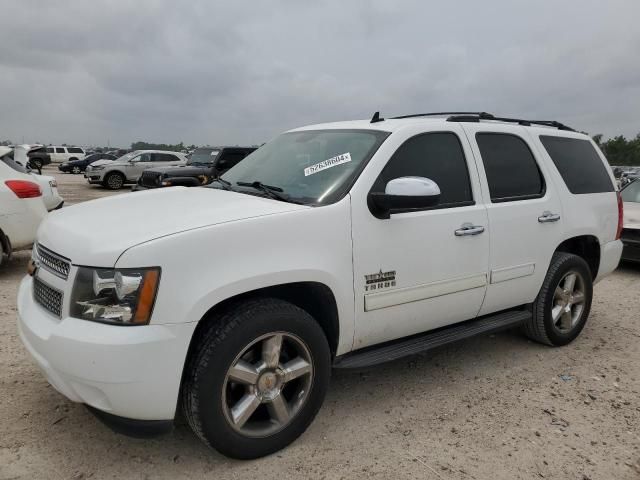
[241,72]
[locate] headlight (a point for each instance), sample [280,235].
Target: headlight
[119,296]
[98,167]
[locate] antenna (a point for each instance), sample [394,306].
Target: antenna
[376,118]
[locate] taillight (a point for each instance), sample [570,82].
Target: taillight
[23,188]
[620,216]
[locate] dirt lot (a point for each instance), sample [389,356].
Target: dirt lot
[497,407]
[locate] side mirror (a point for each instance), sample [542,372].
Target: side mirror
[404,194]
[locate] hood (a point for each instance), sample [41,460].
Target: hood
[631,215]
[97,232]
[97,163]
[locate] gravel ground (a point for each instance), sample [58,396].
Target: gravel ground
[496,407]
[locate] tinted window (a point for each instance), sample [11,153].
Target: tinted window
[229,159]
[60,150]
[631,193]
[50,150]
[437,156]
[10,162]
[143,157]
[75,150]
[512,172]
[164,157]
[578,163]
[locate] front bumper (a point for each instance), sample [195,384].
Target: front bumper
[132,372]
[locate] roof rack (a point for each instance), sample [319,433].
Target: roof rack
[478,116]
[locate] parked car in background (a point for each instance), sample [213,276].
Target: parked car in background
[38,157]
[79,166]
[21,206]
[128,168]
[48,185]
[65,154]
[204,165]
[631,231]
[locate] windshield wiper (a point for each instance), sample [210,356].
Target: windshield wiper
[225,185]
[270,190]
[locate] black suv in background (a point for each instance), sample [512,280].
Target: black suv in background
[38,158]
[79,166]
[204,165]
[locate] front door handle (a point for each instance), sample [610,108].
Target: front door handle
[548,217]
[469,229]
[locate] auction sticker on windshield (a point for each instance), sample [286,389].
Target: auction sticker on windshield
[331,162]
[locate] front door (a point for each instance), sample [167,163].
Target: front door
[137,165]
[420,270]
[524,211]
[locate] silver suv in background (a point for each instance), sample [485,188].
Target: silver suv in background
[128,168]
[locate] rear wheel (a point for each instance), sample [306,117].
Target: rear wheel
[114,181]
[257,379]
[562,307]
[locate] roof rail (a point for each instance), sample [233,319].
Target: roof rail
[519,121]
[435,114]
[477,116]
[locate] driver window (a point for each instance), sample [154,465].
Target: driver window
[437,156]
[143,157]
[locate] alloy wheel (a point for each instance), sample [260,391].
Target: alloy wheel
[267,384]
[568,302]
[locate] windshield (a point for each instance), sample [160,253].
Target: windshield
[203,156]
[126,157]
[312,167]
[632,192]
[10,162]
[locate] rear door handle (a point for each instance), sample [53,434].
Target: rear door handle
[548,217]
[469,229]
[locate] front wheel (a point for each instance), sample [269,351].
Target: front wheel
[562,307]
[114,181]
[257,378]
[75,170]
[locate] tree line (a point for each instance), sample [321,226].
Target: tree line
[619,150]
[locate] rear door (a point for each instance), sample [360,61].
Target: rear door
[524,209]
[165,160]
[138,165]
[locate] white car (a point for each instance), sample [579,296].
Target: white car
[344,244]
[65,154]
[21,207]
[48,185]
[631,231]
[128,168]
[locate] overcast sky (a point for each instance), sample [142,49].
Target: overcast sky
[236,72]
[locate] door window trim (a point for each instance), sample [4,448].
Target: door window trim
[440,206]
[515,198]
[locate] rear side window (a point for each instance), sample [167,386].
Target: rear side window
[579,164]
[512,171]
[60,150]
[75,150]
[437,156]
[50,150]
[164,157]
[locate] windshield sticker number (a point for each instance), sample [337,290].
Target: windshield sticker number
[332,162]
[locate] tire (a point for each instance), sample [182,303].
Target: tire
[1,252]
[114,181]
[551,322]
[239,335]
[75,170]
[37,164]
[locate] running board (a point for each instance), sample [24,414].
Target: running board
[428,341]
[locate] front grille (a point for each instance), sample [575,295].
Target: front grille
[150,179]
[48,297]
[53,262]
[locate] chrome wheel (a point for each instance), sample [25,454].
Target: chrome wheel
[568,302]
[75,170]
[267,384]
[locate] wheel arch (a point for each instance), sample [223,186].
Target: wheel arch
[586,247]
[6,244]
[315,298]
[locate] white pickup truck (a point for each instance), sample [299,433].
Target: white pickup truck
[338,245]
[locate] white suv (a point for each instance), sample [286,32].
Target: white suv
[345,244]
[65,154]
